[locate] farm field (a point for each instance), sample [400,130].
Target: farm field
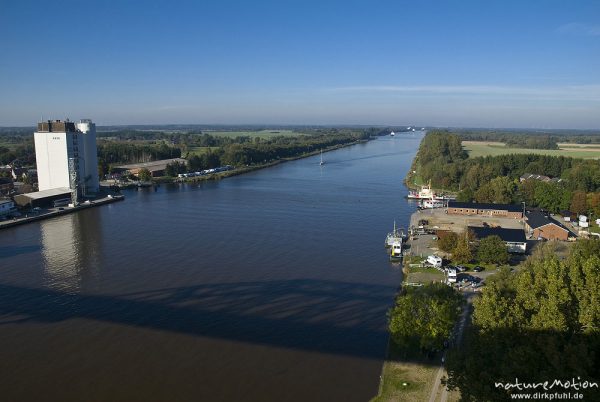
[252,134]
[488,148]
[201,150]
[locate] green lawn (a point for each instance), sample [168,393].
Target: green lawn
[260,134]
[408,379]
[594,229]
[482,148]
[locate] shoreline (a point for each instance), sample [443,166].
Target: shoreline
[167,180]
[248,169]
[60,212]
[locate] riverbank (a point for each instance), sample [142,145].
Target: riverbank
[247,169]
[54,212]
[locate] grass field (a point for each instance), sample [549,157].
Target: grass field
[260,134]
[483,148]
[409,379]
[201,150]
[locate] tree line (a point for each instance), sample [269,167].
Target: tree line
[530,139]
[19,150]
[540,324]
[495,179]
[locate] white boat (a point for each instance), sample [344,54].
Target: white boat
[426,193]
[392,133]
[433,203]
[394,236]
[322,163]
[396,251]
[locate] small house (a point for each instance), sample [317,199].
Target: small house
[543,226]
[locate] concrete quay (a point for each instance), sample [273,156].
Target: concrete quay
[54,212]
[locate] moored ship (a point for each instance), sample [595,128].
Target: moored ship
[427,193]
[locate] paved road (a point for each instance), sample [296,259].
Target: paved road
[458,337]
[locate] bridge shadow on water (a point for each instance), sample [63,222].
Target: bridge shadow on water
[313,315]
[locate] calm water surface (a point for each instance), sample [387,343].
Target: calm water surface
[271,286]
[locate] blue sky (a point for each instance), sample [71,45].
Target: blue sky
[445,63]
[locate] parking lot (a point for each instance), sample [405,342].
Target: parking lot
[438,219]
[423,245]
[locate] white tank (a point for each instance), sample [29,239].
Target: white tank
[90,155]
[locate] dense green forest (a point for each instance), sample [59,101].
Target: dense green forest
[540,324]
[442,160]
[530,139]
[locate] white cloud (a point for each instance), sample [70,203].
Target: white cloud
[579,29]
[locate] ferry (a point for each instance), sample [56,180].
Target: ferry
[426,193]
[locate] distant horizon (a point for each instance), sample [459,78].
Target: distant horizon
[308,125]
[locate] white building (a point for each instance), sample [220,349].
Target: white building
[58,141]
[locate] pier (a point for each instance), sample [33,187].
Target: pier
[54,212]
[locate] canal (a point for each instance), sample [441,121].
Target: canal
[270,286]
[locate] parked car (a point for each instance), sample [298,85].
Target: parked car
[460,268]
[478,269]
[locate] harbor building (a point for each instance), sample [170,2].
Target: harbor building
[493,210]
[66,156]
[543,226]
[156,168]
[513,238]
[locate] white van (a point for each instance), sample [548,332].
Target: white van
[435,261]
[451,275]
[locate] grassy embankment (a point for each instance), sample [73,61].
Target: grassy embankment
[487,148]
[409,380]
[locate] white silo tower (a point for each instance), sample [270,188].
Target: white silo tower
[90,156]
